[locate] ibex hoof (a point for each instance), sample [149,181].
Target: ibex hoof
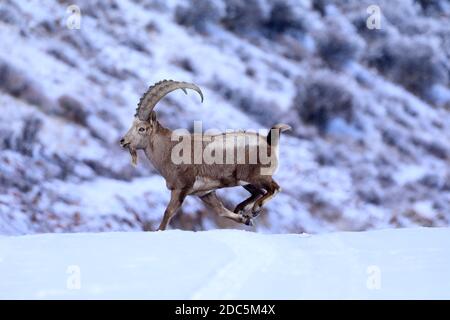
[243,213]
[256,211]
[248,222]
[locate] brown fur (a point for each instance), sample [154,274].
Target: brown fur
[201,179]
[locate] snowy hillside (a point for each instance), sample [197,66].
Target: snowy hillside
[370,109]
[226,264]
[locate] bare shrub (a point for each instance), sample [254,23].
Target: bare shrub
[415,64]
[319,6]
[27,139]
[240,16]
[62,56]
[282,18]
[370,35]
[17,84]
[24,140]
[199,14]
[264,111]
[245,16]
[434,7]
[185,64]
[324,98]
[339,44]
[9,15]
[72,109]
[78,41]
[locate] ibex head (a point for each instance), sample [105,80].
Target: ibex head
[138,136]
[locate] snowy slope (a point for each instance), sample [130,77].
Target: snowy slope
[369,108]
[385,264]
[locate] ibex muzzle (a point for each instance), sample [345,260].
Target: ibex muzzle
[202,179]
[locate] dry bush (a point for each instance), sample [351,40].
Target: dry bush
[244,16]
[339,43]
[283,18]
[15,82]
[415,64]
[323,98]
[199,14]
[72,109]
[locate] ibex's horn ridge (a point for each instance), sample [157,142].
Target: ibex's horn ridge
[157,91]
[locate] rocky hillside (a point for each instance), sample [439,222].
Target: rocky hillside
[370,109]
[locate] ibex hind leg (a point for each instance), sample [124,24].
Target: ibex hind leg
[244,208]
[214,203]
[272,189]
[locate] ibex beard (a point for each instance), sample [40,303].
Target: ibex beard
[198,164]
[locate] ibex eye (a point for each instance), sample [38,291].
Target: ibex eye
[141,129]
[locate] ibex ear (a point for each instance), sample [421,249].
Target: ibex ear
[152,117]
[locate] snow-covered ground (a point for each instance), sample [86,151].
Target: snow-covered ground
[225,264]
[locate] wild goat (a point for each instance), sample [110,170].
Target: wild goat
[202,178]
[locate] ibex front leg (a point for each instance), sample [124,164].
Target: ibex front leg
[176,200]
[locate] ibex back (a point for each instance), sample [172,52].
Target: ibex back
[201,164]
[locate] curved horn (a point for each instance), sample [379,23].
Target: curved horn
[157,92]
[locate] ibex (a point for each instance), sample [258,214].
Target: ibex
[199,178]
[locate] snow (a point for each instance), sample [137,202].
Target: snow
[225,264]
[409,173]
[388,167]
[113,193]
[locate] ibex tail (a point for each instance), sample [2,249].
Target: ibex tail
[274,133]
